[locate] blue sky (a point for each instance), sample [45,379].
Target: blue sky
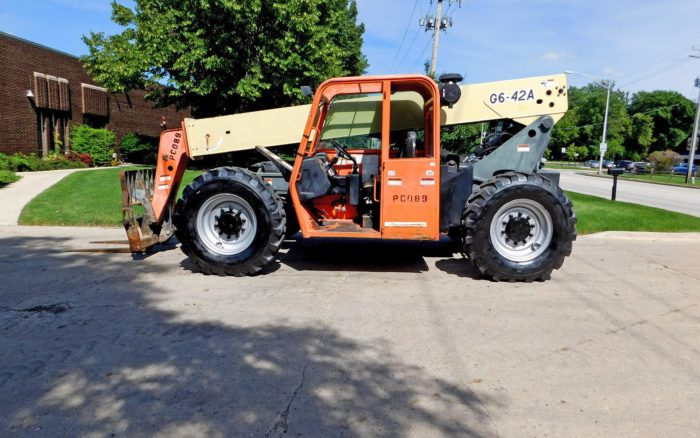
[639,44]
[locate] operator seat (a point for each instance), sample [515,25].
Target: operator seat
[409,149]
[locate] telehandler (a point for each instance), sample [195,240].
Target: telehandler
[369,166]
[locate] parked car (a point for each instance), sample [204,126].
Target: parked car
[625,164]
[640,167]
[683,169]
[594,164]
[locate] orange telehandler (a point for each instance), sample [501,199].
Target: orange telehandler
[369,166]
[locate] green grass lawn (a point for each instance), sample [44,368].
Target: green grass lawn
[676,180]
[597,214]
[7,177]
[566,165]
[93,198]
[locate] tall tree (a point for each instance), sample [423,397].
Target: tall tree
[583,123]
[225,56]
[640,138]
[671,113]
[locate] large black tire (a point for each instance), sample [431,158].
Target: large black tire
[230,222]
[518,227]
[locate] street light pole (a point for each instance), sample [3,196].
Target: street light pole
[603,144]
[608,85]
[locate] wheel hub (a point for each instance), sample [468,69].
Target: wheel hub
[226,224]
[229,223]
[521,230]
[518,228]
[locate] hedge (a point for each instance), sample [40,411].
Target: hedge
[97,142]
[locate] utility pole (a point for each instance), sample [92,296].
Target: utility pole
[436,24]
[436,36]
[694,142]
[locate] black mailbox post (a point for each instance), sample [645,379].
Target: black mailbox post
[615,172]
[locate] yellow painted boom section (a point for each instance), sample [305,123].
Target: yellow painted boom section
[522,100]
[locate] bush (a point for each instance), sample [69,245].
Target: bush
[663,161]
[7,177]
[99,143]
[27,163]
[82,158]
[139,148]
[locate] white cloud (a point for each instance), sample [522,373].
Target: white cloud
[551,56]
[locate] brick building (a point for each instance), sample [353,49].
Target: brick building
[43,92]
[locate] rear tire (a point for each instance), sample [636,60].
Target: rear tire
[230,222]
[518,227]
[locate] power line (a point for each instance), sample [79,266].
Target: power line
[408,50]
[661,61]
[405,32]
[674,65]
[415,36]
[425,48]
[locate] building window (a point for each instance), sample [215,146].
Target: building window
[95,100]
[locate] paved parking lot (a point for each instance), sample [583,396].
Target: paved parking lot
[347,339]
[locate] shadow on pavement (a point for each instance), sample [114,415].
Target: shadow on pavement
[112,361]
[362,256]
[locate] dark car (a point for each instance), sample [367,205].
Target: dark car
[625,164]
[640,167]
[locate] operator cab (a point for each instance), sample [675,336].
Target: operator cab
[370,160]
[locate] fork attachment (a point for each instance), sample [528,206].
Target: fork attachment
[144,230]
[155,191]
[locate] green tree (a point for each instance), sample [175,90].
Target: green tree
[460,139]
[591,109]
[671,114]
[226,56]
[640,137]
[582,125]
[576,153]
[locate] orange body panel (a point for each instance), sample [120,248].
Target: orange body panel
[173,155]
[410,204]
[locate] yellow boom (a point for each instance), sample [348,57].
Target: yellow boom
[522,100]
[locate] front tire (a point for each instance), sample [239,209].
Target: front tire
[229,222]
[518,227]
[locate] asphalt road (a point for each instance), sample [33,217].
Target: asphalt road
[347,339]
[674,198]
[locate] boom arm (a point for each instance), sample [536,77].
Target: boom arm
[523,100]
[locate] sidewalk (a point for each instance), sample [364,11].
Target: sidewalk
[15,196]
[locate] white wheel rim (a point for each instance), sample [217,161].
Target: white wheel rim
[219,239]
[521,213]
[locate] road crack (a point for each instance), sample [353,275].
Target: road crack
[282,420]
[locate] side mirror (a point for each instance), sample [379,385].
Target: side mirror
[307,91]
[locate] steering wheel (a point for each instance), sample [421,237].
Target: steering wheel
[343,153]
